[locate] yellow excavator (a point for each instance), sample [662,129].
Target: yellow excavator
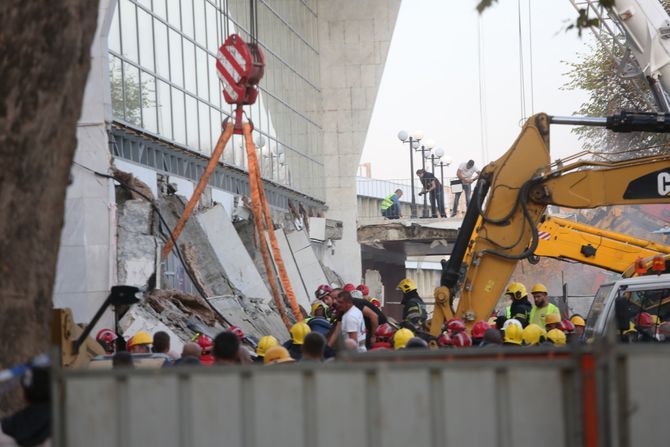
[512,194]
[566,239]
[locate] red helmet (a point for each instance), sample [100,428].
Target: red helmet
[461,340]
[322,290]
[567,327]
[384,331]
[376,302]
[364,289]
[444,339]
[455,325]
[479,328]
[106,339]
[348,287]
[205,343]
[237,331]
[644,320]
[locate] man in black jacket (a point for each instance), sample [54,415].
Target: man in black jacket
[414,309]
[521,306]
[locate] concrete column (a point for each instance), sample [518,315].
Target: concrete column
[354,38]
[87,257]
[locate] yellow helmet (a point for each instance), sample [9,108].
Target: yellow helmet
[578,321]
[401,337]
[264,344]
[557,337]
[552,318]
[533,335]
[539,288]
[277,354]
[141,338]
[407,285]
[517,290]
[513,334]
[315,305]
[298,332]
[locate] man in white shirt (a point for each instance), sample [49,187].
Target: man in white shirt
[352,324]
[467,173]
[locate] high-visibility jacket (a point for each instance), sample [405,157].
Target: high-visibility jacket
[539,318]
[387,202]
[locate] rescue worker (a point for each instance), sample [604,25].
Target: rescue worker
[294,345]
[401,337]
[106,339]
[226,349]
[542,306]
[520,307]
[365,290]
[552,321]
[390,207]
[372,316]
[414,309]
[513,335]
[277,354]
[460,340]
[190,355]
[206,346]
[492,337]
[383,337]
[478,330]
[264,344]
[351,325]
[324,299]
[568,329]
[644,323]
[579,323]
[140,343]
[533,335]
[314,347]
[556,337]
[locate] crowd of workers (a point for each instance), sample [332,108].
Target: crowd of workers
[349,319]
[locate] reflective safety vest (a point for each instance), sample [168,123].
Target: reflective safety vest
[551,309]
[387,202]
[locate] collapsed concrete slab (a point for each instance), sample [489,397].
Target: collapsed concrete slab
[292,270]
[231,253]
[309,268]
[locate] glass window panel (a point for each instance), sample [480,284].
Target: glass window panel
[190,66]
[149,120]
[116,86]
[159,9]
[215,121]
[212,37]
[202,70]
[205,137]
[114,40]
[199,15]
[178,118]
[128,30]
[176,73]
[164,109]
[162,56]
[192,122]
[132,94]
[174,18]
[146,41]
[215,90]
[187,17]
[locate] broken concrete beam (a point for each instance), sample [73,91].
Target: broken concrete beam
[310,270]
[232,254]
[136,245]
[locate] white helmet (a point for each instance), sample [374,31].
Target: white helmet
[513,321]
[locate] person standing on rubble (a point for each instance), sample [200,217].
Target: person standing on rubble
[414,309]
[432,187]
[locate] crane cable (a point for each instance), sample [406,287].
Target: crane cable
[262,216]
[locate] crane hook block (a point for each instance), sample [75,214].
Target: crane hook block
[240,67]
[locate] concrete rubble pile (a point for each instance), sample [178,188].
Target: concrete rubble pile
[221,261]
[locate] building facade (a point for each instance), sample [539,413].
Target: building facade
[153,107]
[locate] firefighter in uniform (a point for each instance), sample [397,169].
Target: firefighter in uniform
[414,309]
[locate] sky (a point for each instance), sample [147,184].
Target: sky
[431,80]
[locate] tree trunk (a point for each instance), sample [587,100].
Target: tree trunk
[44,63]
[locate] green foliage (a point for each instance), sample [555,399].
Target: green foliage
[596,73]
[129,95]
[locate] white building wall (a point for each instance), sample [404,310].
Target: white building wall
[354,38]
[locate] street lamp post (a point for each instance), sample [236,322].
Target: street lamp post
[413,144]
